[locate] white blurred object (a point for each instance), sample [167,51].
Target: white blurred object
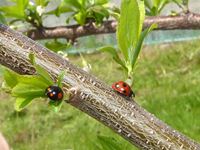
[3,143]
[86,66]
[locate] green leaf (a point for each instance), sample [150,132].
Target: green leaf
[100,10]
[42,2]
[17,10]
[32,58]
[76,4]
[56,45]
[147,4]
[44,74]
[11,78]
[33,80]
[142,15]
[27,91]
[21,103]
[60,79]
[2,19]
[140,42]
[130,25]
[40,71]
[55,105]
[80,17]
[108,143]
[100,2]
[114,53]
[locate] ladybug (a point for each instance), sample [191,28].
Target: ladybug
[123,88]
[54,93]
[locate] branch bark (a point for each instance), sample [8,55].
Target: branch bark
[183,21]
[92,96]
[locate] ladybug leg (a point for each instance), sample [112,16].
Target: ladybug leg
[133,94]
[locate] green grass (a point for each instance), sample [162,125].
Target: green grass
[167,84]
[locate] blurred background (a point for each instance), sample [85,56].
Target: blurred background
[167,84]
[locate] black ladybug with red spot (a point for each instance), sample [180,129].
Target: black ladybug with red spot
[123,88]
[54,93]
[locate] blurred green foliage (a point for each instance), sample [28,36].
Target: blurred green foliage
[154,7]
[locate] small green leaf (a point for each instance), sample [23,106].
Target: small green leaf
[44,74]
[2,19]
[26,91]
[33,80]
[100,10]
[21,103]
[42,2]
[10,77]
[114,53]
[80,17]
[130,25]
[32,58]
[140,42]
[101,2]
[56,45]
[17,10]
[55,105]
[40,71]
[74,3]
[147,4]
[60,78]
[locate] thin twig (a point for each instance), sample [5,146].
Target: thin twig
[182,21]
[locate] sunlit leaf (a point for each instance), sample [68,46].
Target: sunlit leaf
[60,78]
[21,103]
[25,90]
[76,4]
[11,78]
[41,71]
[56,45]
[42,2]
[140,42]
[2,19]
[129,26]
[17,10]
[33,80]
[101,2]
[55,105]
[80,17]
[113,52]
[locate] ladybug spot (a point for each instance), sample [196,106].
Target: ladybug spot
[51,94]
[117,85]
[60,95]
[124,85]
[124,91]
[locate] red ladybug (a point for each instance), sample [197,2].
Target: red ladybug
[54,93]
[123,88]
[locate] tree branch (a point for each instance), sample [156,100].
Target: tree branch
[92,96]
[184,21]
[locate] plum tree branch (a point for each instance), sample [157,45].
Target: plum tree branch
[182,21]
[92,96]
